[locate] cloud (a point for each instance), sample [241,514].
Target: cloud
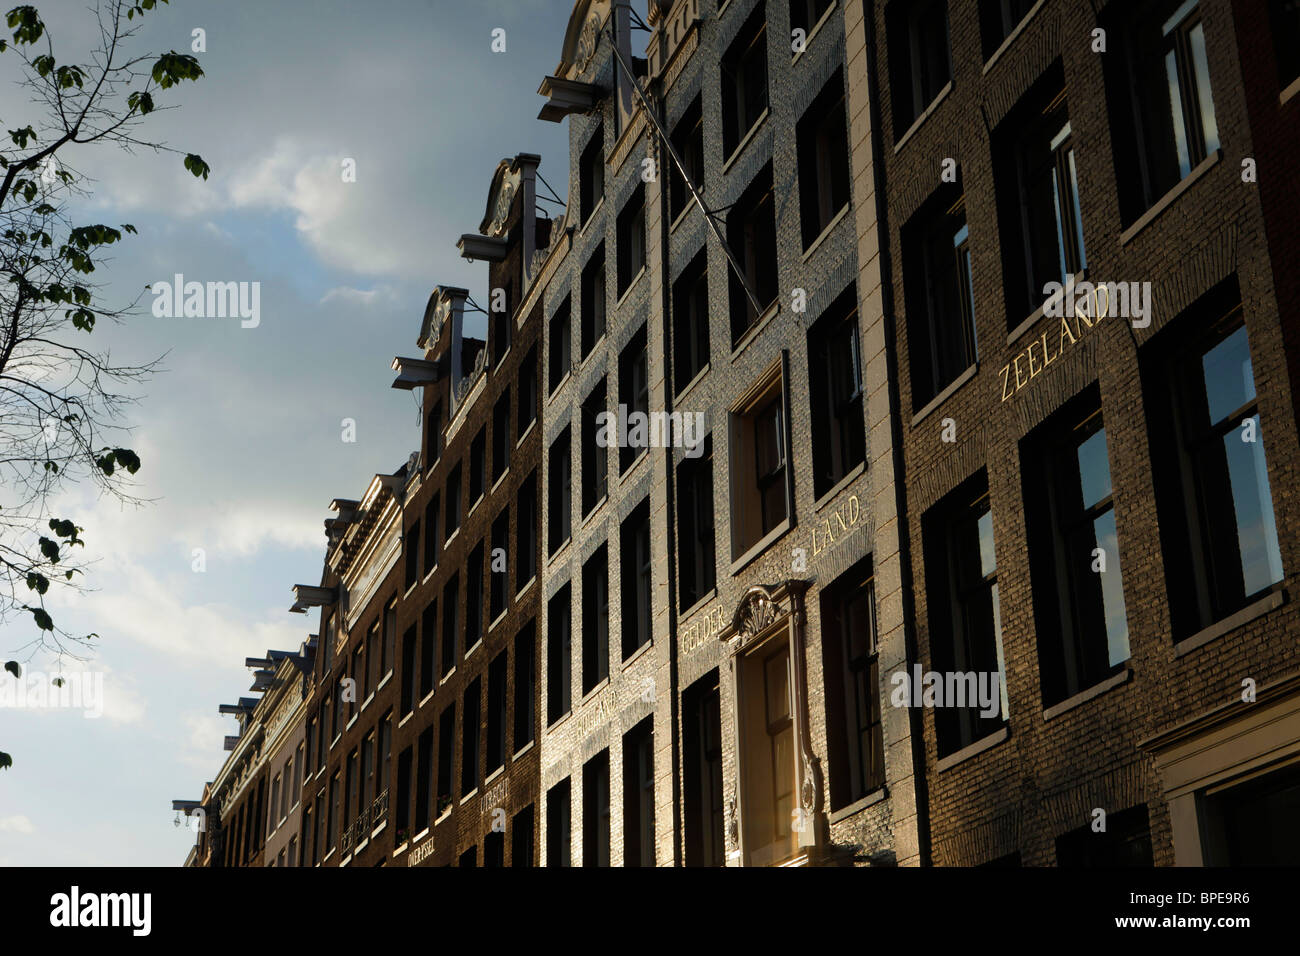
[16,824]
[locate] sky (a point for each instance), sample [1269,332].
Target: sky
[241,435]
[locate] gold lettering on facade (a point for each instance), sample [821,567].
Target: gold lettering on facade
[1015,362]
[846,516]
[1029,354]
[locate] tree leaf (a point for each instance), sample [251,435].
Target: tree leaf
[14,668]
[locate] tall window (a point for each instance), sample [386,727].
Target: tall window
[760,477]
[331,835]
[1039,196]
[1284,17]
[744,81]
[526,543]
[450,638]
[428,648]
[822,135]
[431,533]
[478,467]
[850,656]
[385,754]
[559,491]
[474,597]
[688,139]
[691,322]
[702,810]
[1074,554]
[998,18]
[433,436]
[965,614]
[358,674]
[1211,475]
[560,349]
[501,436]
[453,502]
[919,66]
[634,394]
[839,431]
[940,295]
[1126,841]
[367,781]
[559,654]
[751,233]
[469,765]
[1161,98]
[525,684]
[768,740]
[528,374]
[593,300]
[446,756]
[639,795]
[595,810]
[412,554]
[805,14]
[423,774]
[388,654]
[497,569]
[408,672]
[591,174]
[496,714]
[521,838]
[595,456]
[595,619]
[697,559]
[634,557]
[630,236]
[559,824]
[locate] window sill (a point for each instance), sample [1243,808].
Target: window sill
[1269,602]
[763,544]
[527,431]
[1037,315]
[427,697]
[1289,93]
[582,230]
[368,702]
[748,138]
[698,605]
[379,829]
[494,774]
[753,331]
[1011,37]
[496,482]
[418,837]
[469,796]
[685,211]
[821,238]
[1169,198]
[643,454]
[813,32]
[704,370]
[946,394]
[522,750]
[631,286]
[858,806]
[442,817]
[469,652]
[497,620]
[637,654]
[568,374]
[1096,690]
[559,720]
[978,747]
[588,695]
[925,115]
[409,588]
[477,501]
[554,556]
[446,542]
[335,742]
[380,685]
[594,509]
[594,345]
[352,723]
[446,677]
[401,847]
[839,486]
[524,590]
[504,355]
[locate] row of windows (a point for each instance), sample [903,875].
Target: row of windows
[1215,510]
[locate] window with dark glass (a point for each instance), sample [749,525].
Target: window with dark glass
[373,666]
[453,502]
[501,437]
[528,373]
[702,802]
[1160,99]
[412,552]
[469,858]
[559,824]
[433,436]
[744,81]
[998,18]
[822,136]
[526,544]
[559,491]
[478,466]
[501,321]
[350,795]
[919,65]
[525,684]
[358,675]
[494,848]
[428,648]
[595,810]
[634,557]
[839,430]
[446,756]
[760,499]
[560,354]
[806,14]
[593,300]
[1253,823]
[474,597]
[688,140]
[696,539]
[1213,495]
[595,619]
[423,773]
[691,322]
[388,656]
[431,533]
[630,236]
[751,233]
[639,795]
[850,659]
[408,672]
[965,613]
[1074,552]
[939,295]
[595,456]
[1126,841]
[332,832]
[1038,196]
[559,654]
[591,174]
[634,395]
[469,744]
[498,571]
[1284,17]
[450,638]
[385,755]
[496,712]
[521,838]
